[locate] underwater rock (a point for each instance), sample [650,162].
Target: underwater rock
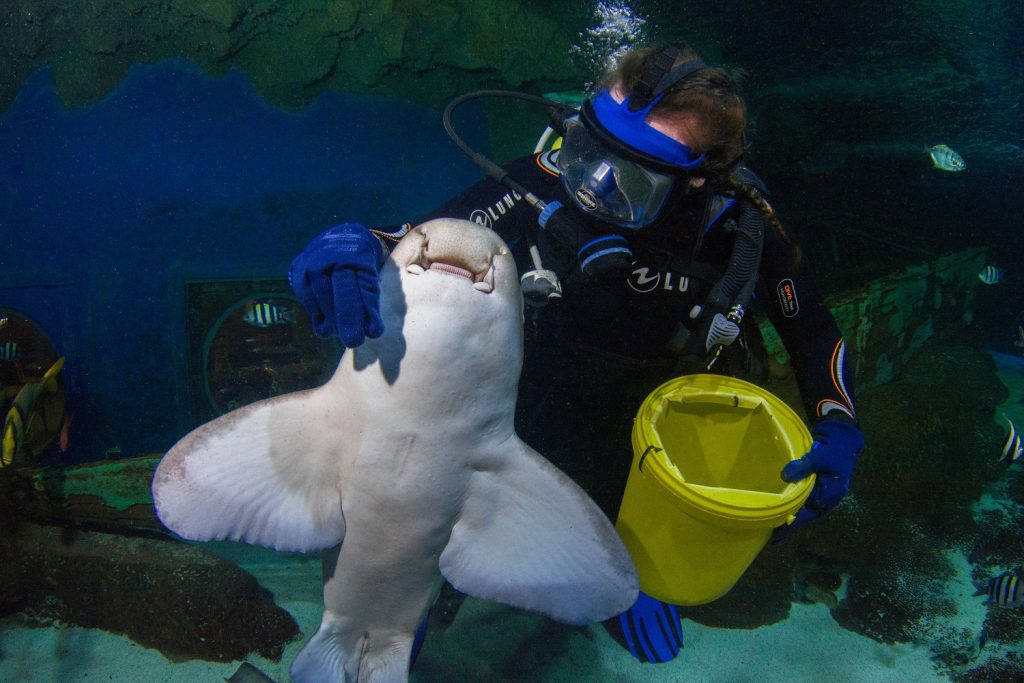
[818,586]
[931,441]
[894,607]
[999,542]
[427,50]
[167,595]
[1008,668]
[1003,625]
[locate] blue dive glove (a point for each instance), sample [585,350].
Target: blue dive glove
[837,441]
[650,630]
[337,279]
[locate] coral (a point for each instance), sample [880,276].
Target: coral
[293,51]
[894,606]
[931,440]
[999,668]
[1004,625]
[999,543]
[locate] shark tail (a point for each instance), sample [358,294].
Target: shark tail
[324,658]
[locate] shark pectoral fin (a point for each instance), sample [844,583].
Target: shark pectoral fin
[324,657]
[266,473]
[530,537]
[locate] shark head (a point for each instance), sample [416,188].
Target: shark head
[450,291]
[464,255]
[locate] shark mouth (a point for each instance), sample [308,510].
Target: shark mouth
[482,282]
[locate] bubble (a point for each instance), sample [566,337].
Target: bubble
[618,29]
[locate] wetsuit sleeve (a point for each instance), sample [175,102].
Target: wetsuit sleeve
[796,307]
[489,203]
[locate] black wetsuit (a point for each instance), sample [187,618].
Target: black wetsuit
[593,356]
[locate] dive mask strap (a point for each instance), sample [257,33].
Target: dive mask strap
[659,76]
[656,66]
[679,74]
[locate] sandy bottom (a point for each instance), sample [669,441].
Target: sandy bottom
[491,642]
[486,642]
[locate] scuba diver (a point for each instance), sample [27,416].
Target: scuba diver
[651,243]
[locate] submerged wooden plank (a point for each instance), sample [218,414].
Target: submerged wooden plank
[113,494]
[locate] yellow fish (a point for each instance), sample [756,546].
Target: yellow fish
[21,409]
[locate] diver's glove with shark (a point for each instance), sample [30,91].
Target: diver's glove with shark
[337,279]
[837,442]
[650,630]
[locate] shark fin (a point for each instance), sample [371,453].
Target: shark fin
[261,474]
[528,536]
[324,657]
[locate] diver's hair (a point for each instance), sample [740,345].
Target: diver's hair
[752,195]
[710,94]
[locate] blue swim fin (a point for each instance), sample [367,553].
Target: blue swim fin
[650,630]
[417,641]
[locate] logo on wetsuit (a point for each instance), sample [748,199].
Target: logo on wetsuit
[643,281]
[787,298]
[489,216]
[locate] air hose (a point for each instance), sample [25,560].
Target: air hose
[539,285]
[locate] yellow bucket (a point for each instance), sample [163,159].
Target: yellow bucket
[704,490]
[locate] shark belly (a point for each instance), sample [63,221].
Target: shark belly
[408,458]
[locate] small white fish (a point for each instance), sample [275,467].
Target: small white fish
[991,275]
[946,159]
[1019,341]
[1012,447]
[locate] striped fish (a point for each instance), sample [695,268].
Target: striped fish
[10,351]
[991,275]
[265,314]
[1005,590]
[1012,447]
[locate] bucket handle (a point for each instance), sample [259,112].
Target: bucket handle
[643,456]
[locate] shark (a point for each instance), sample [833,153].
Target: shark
[407,457]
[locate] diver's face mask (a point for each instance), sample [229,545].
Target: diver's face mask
[618,168]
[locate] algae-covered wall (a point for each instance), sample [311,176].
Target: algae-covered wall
[424,50]
[885,322]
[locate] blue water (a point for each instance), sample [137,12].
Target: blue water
[107,209]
